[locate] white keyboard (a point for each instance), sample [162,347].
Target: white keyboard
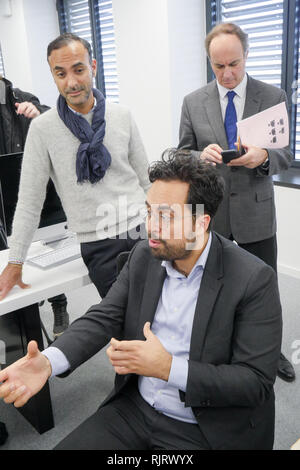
[56,257]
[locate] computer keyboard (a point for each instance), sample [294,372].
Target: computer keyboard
[56,257]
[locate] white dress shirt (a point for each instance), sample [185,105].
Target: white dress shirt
[238,100]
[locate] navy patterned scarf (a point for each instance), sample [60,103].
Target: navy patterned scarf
[93,158]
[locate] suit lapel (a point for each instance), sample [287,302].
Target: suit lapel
[214,115]
[253,99]
[212,282]
[153,287]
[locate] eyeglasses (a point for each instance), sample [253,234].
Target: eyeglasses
[163,218]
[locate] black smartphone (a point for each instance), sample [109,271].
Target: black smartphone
[229,155]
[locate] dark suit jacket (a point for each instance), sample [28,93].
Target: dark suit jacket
[235,344]
[247,211]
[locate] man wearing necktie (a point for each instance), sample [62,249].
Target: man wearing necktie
[208,126]
[230,120]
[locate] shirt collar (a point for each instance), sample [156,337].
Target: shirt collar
[80,114]
[240,89]
[200,263]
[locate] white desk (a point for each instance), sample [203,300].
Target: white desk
[44,283]
[20,320]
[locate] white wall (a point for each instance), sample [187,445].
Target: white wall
[288,231]
[41,28]
[15,45]
[141,29]
[187,30]
[24,37]
[160,59]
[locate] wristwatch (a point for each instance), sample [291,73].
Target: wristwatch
[265,165]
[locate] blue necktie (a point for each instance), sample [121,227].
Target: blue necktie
[230,120]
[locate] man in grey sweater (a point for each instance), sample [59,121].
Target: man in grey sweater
[17,110]
[101,177]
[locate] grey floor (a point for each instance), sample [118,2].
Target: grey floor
[78,396]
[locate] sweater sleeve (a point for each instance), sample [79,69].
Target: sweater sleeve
[137,156]
[34,178]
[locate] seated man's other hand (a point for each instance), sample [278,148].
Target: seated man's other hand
[147,358]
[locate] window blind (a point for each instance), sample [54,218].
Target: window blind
[296,87]
[297,146]
[109,50]
[78,18]
[263,21]
[82,17]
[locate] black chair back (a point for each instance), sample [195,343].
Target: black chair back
[121,260]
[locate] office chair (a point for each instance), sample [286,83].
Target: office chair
[121,260]
[3,433]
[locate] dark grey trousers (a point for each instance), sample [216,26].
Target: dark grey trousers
[130,423]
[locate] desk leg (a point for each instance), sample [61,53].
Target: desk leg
[16,330]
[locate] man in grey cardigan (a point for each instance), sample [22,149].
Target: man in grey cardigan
[92,151]
[17,110]
[208,126]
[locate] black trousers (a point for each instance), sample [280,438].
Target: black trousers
[129,423]
[266,250]
[100,257]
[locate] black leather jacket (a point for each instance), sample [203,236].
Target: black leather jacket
[13,133]
[14,127]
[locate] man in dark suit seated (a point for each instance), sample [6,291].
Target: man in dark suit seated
[194,326]
[208,126]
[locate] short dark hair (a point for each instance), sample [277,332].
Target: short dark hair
[206,186]
[65,39]
[227,28]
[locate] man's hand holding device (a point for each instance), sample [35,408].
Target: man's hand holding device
[233,154]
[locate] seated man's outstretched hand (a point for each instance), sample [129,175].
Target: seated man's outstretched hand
[25,377]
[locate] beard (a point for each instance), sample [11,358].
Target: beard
[80,99]
[167,252]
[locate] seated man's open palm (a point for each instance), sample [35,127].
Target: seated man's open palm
[25,377]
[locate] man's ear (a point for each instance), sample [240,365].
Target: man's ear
[202,222]
[94,67]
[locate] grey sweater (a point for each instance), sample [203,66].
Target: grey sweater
[105,209]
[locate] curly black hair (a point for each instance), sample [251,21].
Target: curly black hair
[206,186]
